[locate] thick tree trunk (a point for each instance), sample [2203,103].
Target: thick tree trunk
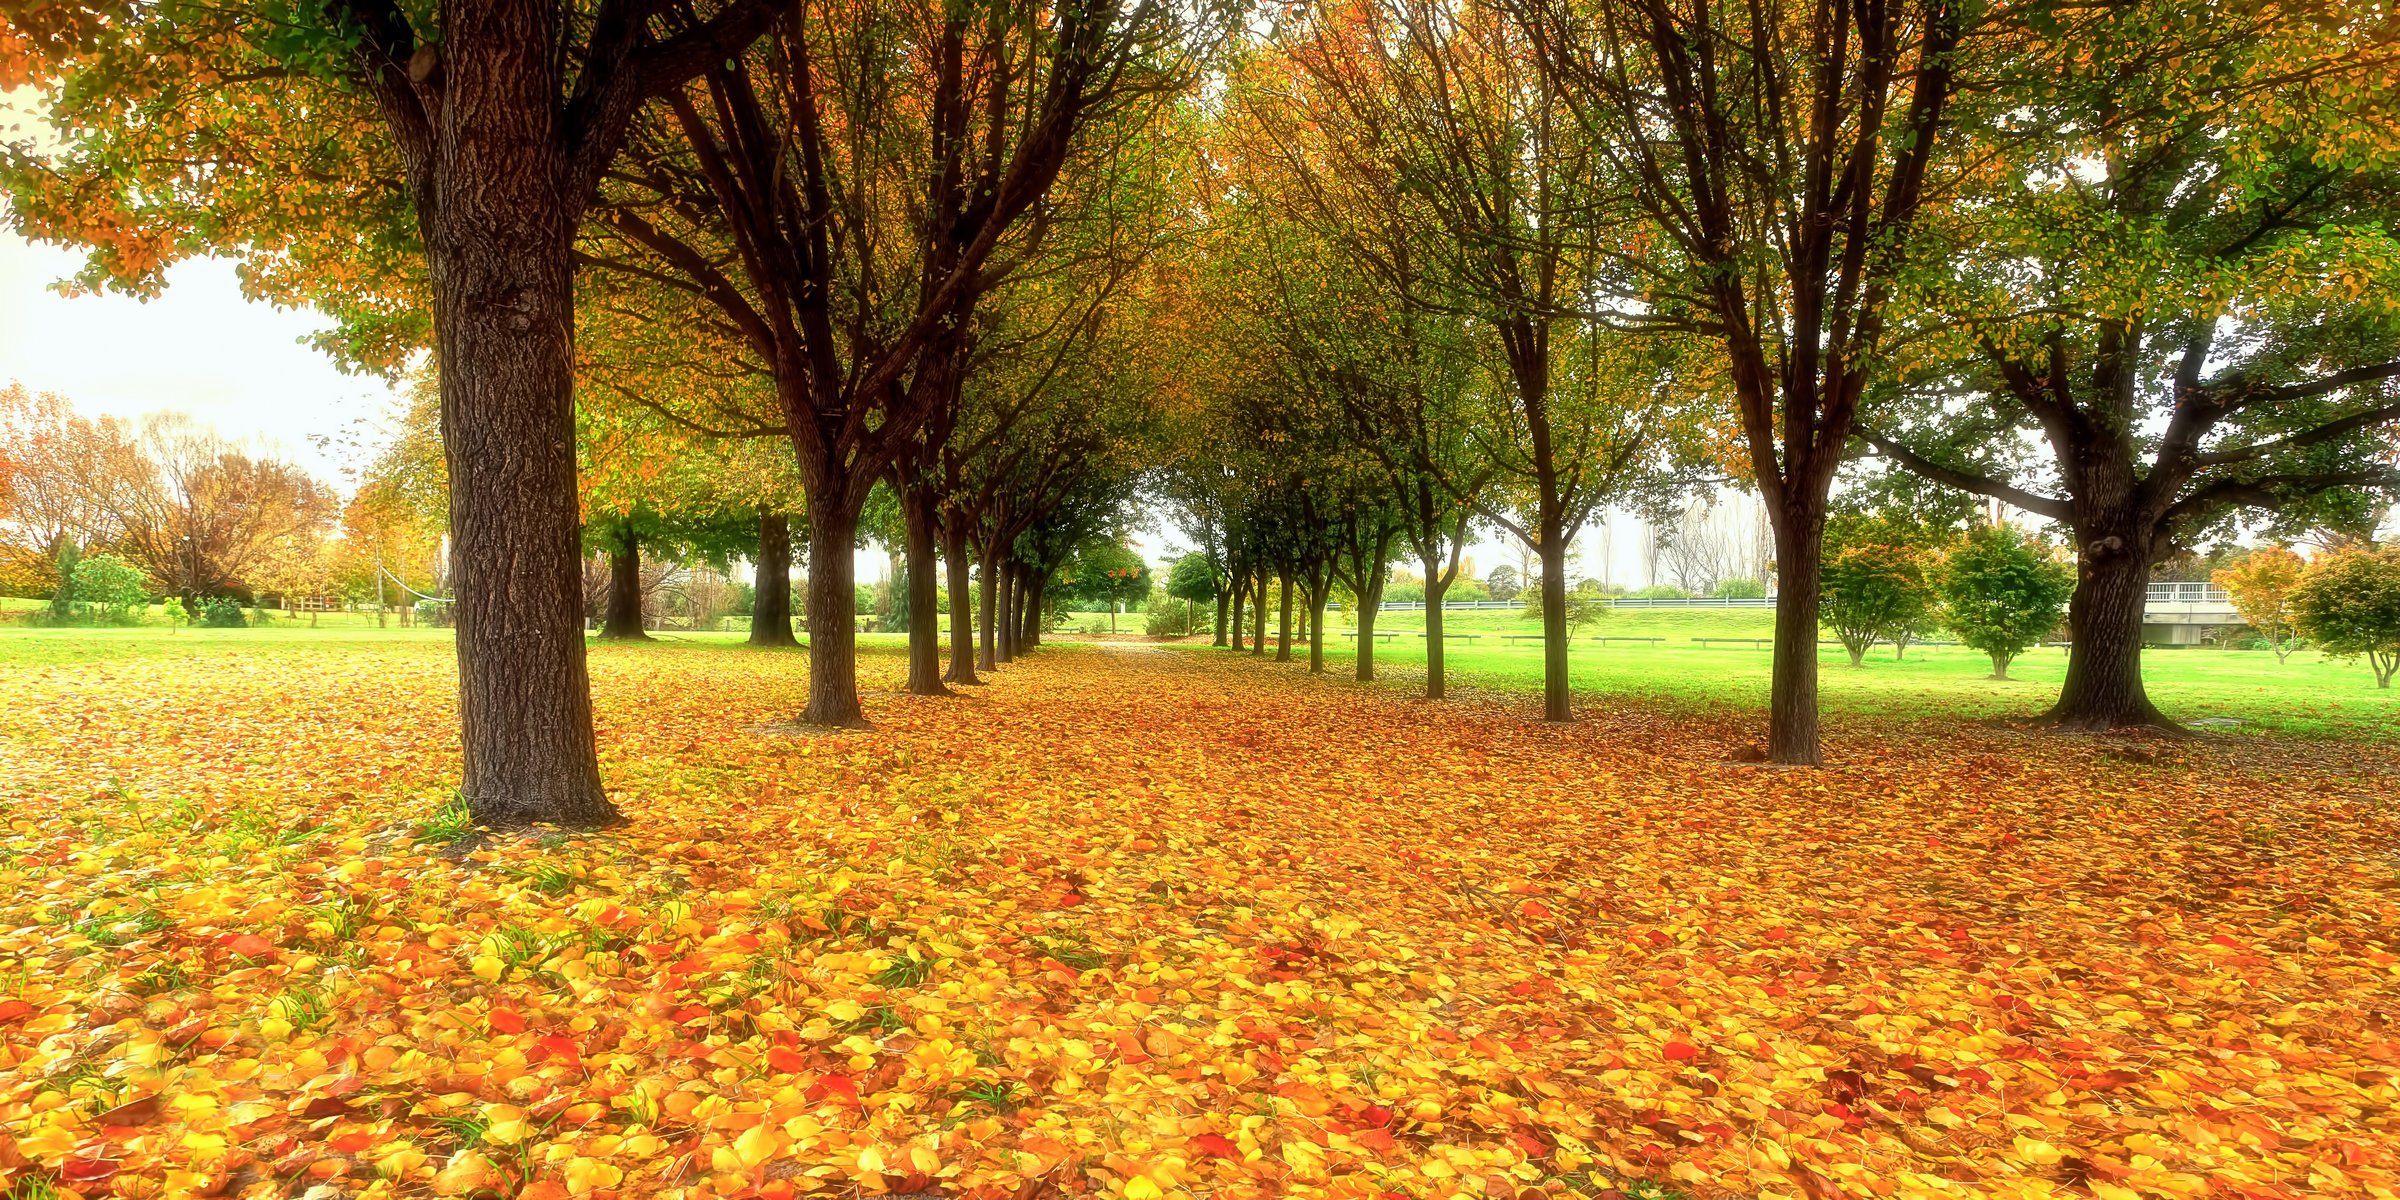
[832,615]
[1283,628]
[1258,604]
[498,229]
[771,584]
[917,519]
[1030,600]
[1792,691]
[962,607]
[990,630]
[622,621]
[1436,587]
[1241,592]
[1554,628]
[1370,602]
[1224,605]
[1007,632]
[2104,621]
[1317,595]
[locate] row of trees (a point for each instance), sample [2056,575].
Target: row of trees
[2346,602]
[1515,261]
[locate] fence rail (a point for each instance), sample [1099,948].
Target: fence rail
[2160,593]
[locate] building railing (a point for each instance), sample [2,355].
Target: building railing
[2187,593]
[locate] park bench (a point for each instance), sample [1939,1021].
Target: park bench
[1447,635]
[1381,636]
[1754,643]
[1512,638]
[1604,640]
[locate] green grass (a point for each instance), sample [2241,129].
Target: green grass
[2307,696]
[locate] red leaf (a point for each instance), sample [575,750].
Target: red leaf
[785,1059]
[506,1020]
[1216,1146]
[1679,1051]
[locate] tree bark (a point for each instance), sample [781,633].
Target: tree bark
[1007,632]
[2104,619]
[1283,628]
[622,621]
[1258,604]
[1224,605]
[1241,592]
[1370,602]
[1554,627]
[1030,600]
[1317,595]
[1792,691]
[832,614]
[771,584]
[917,518]
[962,605]
[990,630]
[1436,587]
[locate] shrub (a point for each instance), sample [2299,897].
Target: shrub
[2349,605]
[2002,592]
[1167,617]
[1740,589]
[1873,592]
[1464,591]
[222,612]
[1662,591]
[110,589]
[1502,583]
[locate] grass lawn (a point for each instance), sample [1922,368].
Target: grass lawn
[1130,922]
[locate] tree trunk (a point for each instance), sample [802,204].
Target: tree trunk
[832,614]
[1006,649]
[1436,587]
[917,519]
[1240,593]
[2104,621]
[1030,600]
[498,230]
[1792,693]
[1554,628]
[1283,629]
[1224,605]
[1370,601]
[991,611]
[962,605]
[1317,595]
[1258,605]
[771,583]
[2000,666]
[623,622]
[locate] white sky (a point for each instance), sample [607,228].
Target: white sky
[198,349]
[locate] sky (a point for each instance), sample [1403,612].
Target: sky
[199,349]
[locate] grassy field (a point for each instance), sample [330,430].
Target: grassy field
[2308,696]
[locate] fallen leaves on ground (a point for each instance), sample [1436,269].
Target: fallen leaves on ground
[1141,924]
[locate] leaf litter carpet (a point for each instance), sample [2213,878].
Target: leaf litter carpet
[1161,924]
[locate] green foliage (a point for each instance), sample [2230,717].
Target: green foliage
[175,614]
[2002,592]
[1874,591]
[62,602]
[1502,583]
[1167,616]
[222,612]
[2349,604]
[1662,591]
[109,589]
[1740,589]
[1192,578]
[1105,572]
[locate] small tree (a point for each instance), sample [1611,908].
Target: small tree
[109,589]
[1503,583]
[175,614]
[2261,584]
[2349,604]
[2003,591]
[1875,591]
[1193,581]
[62,601]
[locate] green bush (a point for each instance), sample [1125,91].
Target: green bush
[2002,592]
[222,612]
[108,588]
[1740,589]
[1662,591]
[1165,616]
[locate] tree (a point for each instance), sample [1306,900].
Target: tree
[201,516]
[2003,592]
[109,589]
[429,158]
[1502,582]
[2349,605]
[2174,272]
[1105,571]
[1874,591]
[1193,580]
[1780,150]
[2261,584]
